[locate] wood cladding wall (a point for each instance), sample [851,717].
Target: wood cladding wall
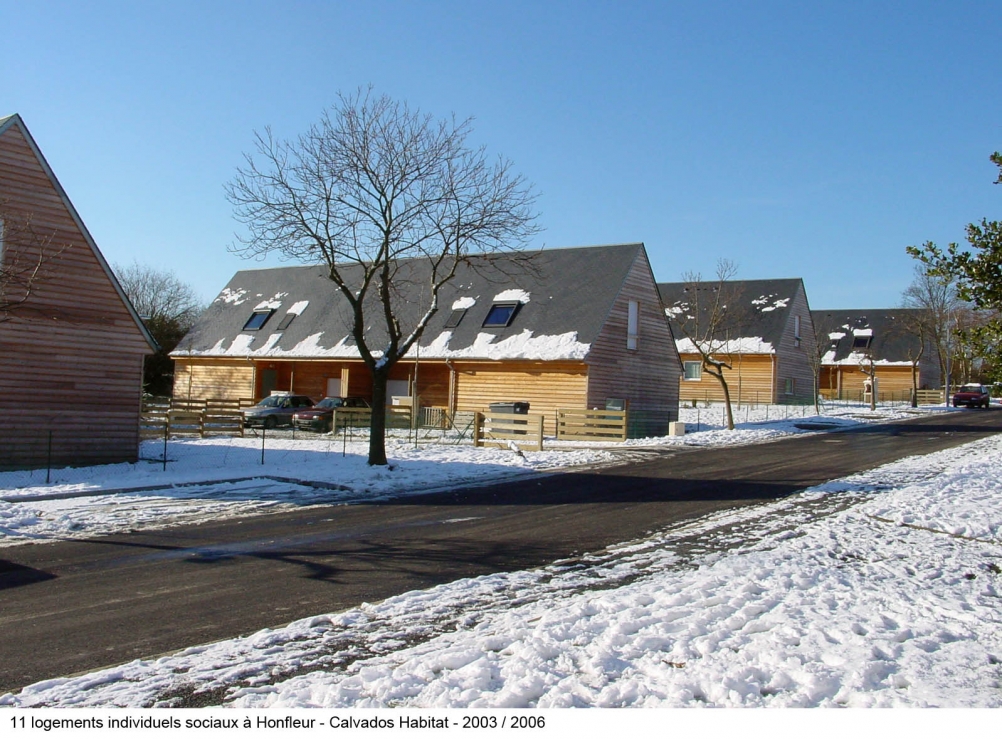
[227,379]
[71,356]
[647,376]
[546,386]
[750,381]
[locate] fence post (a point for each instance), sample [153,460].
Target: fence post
[166,435]
[48,459]
[478,420]
[264,433]
[540,431]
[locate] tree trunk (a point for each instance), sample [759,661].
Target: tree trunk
[377,427]
[914,385]
[727,403]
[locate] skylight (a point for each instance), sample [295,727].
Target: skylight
[257,319]
[455,317]
[289,318]
[501,314]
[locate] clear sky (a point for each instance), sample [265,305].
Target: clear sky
[812,140]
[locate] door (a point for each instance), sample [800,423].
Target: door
[269,380]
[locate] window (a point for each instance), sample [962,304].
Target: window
[861,342]
[632,325]
[693,370]
[789,386]
[257,319]
[501,314]
[289,318]
[796,330]
[455,317]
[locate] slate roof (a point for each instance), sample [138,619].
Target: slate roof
[891,342]
[566,294]
[767,302]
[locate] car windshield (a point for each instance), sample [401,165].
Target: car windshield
[272,401]
[329,403]
[970,388]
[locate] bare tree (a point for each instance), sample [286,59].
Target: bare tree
[935,297]
[365,191]
[824,327]
[169,307]
[711,317]
[25,255]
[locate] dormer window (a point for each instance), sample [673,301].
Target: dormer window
[501,315]
[455,317]
[257,319]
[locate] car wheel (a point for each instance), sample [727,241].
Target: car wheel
[270,422]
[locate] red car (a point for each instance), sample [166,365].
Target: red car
[972,395]
[321,416]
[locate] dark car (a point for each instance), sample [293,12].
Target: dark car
[275,410]
[321,416]
[972,395]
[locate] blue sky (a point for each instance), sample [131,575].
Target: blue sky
[812,140]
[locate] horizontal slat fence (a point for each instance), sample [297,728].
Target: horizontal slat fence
[499,428]
[575,424]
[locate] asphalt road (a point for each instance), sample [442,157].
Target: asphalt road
[76,606]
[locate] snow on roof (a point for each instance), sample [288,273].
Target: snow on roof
[273,303]
[298,308]
[766,303]
[236,297]
[742,345]
[513,294]
[464,303]
[520,346]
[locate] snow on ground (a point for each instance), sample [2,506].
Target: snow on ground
[881,589]
[213,479]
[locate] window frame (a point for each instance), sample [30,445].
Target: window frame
[266,312]
[513,305]
[699,371]
[633,325]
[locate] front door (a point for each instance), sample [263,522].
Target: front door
[269,380]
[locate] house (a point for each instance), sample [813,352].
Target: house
[885,338]
[767,338]
[565,328]
[71,344]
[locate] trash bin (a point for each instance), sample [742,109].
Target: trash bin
[512,407]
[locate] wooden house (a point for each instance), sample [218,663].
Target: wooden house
[885,338]
[567,328]
[767,339]
[71,344]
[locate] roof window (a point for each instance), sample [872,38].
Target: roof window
[501,314]
[861,342]
[257,319]
[455,317]
[289,318]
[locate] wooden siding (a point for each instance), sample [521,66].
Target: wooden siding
[750,381]
[71,357]
[227,379]
[647,377]
[846,382]
[793,361]
[546,386]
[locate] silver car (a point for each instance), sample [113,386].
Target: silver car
[275,410]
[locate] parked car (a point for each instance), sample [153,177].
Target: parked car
[321,416]
[275,410]
[972,395]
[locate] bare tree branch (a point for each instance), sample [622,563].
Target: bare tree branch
[711,317]
[369,187]
[26,257]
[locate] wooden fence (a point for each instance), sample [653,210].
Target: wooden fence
[574,424]
[201,418]
[525,429]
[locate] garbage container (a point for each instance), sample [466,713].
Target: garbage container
[512,407]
